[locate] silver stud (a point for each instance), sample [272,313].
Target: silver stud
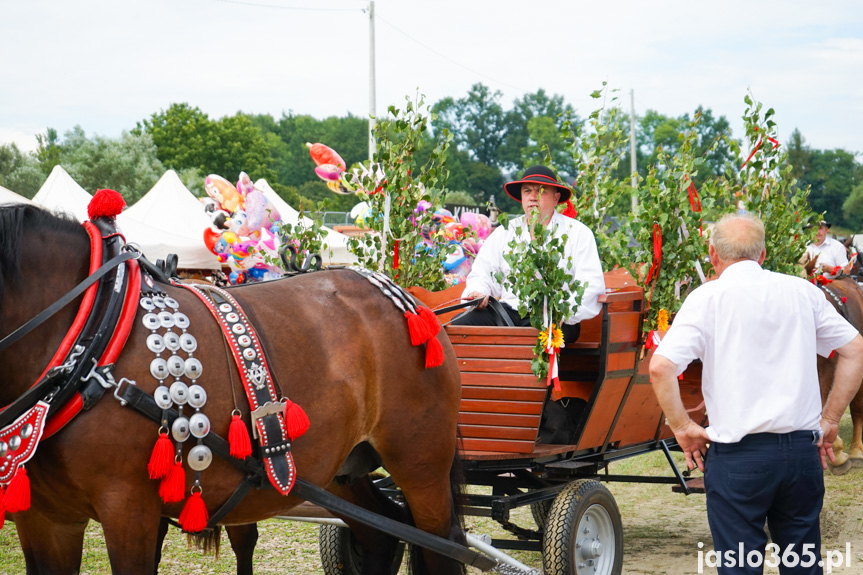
[172,341]
[4,449]
[244,340]
[199,424]
[193,368]
[238,329]
[26,431]
[176,366]
[159,368]
[14,443]
[159,301]
[200,457]
[180,429]
[249,354]
[188,342]
[163,397]
[155,343]
[147,304]
[197,396]
[233,317]
[181,320]
[166,319]
[171,303]
[151,321]
[179,393]
[225,308]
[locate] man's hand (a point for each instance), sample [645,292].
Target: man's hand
[830,429]
[476,294]
[693,439]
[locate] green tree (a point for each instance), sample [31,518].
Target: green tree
[128,164]
[19,172]
[182,135]
[48,151]
[236,145]
[477,122]
[534,131]
[853,208]
[831,176]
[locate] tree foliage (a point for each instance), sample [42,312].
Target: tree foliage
[19,172]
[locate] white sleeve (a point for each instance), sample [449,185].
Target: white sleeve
[685,340]
[587,268]
[840,254]
[488,262]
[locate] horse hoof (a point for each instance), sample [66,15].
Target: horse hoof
[856,462]
[842,469]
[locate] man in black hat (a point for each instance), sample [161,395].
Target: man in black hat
[537,189]
[832,255]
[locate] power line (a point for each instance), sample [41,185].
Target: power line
[294,8]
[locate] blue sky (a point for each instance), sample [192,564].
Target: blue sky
[107,64]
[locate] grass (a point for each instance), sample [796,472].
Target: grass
[661,531]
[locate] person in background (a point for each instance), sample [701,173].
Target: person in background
[757,334]
[832,255]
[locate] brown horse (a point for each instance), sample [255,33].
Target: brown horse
[335,345]
[847,297]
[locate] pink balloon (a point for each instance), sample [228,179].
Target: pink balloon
[328,172]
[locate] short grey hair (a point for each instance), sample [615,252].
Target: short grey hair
[738,237]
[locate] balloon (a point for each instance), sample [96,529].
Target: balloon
[322,154]
[257,212]
[454,231]
[223,192]
[443,216]
[328,172]
[359,211]
[480,223]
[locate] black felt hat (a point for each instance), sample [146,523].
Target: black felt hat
[537,175]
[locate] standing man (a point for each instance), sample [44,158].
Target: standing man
[538,189]
[757,334]
[832,255]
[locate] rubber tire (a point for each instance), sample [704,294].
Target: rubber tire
[540,511]
[561,553]
[341,556]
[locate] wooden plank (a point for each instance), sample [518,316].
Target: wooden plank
[603,412]
[640,417]
[504,393]
[495,365]
[490,330]
[623,327]
[479,339]
[540,450]
[621,360]
[439,299]
[487,432]
[591,330]
[508,446]
[498,419]
[493,406]
[499,379]
[493,351]
[579,389]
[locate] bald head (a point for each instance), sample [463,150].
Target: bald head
[738,237]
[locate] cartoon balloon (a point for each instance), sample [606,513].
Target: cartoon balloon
[480,223]
[322,154]
[223,192]
[328,172]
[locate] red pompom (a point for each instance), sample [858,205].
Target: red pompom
[569,210]
[296,420]
[105,204]
[434,353]
[173,487]
[417,328]
[432,324]
[194,516]
[17,496]
[238,438]
[162,457]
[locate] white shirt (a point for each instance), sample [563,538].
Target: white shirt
[830,254]
[757,333]
[581,260]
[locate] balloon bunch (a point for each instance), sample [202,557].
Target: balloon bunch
[331,168]
[464,238]
[246,238]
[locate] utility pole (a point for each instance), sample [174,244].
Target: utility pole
[372,113]
[632,162]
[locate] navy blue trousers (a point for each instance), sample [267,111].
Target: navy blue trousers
[769,477]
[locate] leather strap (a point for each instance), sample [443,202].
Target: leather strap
[502,314]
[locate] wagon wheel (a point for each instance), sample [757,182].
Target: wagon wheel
[540,510]
[341,555]
[583,532]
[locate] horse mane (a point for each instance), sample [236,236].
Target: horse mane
[14,220]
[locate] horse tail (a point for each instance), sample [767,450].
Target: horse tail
[456,533]
[208,540]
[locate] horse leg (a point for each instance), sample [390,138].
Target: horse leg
[50,547]
[379,549]
[243,539]
[856,450]
[130,535]
[160,540]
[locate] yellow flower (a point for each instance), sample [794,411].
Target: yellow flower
[556,337]
[662,320]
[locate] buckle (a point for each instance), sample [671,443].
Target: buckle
[268,408]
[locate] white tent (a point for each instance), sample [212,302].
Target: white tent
[169,219]
[10,197]
[336,242]
[61,193]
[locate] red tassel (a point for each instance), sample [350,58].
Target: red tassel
[417,328]
[296,420]
[569,211]
[173,486]
[238,438]
[432,323]
[194,516]
[17,496]
[161,458]
[434,353]
[105,203]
